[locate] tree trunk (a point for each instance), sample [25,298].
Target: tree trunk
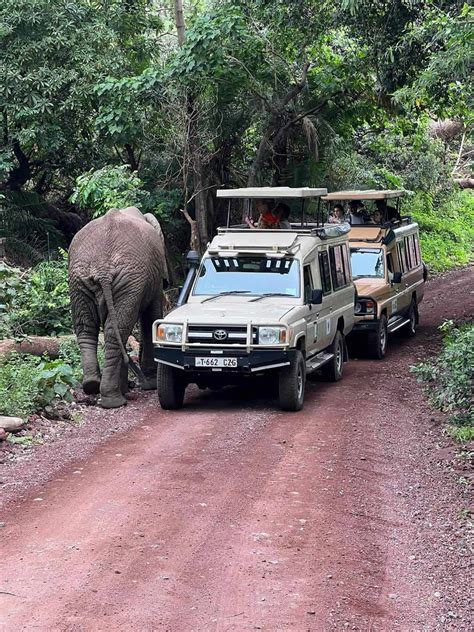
[34,345]
[200,228]
[179,16]
[20,175]
[280,161]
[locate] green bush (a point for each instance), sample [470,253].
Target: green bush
[446,228]
[70,354]
[28,383]
[109,187]
[449,378]
[36,301]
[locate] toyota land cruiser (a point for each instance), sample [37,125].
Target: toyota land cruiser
[260,301]
[388,271]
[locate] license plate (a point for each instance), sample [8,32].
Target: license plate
[230,363]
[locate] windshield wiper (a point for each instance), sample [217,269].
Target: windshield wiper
[211,298]
[269,294]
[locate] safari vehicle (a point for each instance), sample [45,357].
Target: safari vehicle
[275,302]
[387,268]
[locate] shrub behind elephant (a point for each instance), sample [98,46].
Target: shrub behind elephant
[117,268]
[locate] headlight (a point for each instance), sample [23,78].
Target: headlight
[365,307]
[271,335]
[170,333]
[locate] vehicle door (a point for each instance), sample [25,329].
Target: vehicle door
[389,299]
[342,300]
[403,297]
[323,329]
[311,311]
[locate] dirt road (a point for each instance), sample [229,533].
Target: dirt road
[230,515]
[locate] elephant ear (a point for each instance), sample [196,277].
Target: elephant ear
[151,219]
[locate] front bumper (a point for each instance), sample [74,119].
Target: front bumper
[247,363]
[365,325]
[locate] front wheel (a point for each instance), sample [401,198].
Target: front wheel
[291,384]
[171,387]
[332,370]
[378,339]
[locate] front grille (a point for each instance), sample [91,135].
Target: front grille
[216,334]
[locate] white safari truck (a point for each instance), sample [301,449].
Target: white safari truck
[261,301]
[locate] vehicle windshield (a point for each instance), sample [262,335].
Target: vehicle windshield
[251,276]
[367,262]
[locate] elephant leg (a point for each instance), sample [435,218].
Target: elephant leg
[147,362]
[111,395]
[86,325]
[87,340]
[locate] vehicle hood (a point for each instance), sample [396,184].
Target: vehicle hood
[370,287]
[230,312]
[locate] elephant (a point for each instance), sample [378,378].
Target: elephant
[117,272]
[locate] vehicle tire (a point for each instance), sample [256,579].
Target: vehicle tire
[378,339]
[171,387]
[291,383]
[332,370]
[410,329]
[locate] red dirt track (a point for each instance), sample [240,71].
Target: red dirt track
[232,516]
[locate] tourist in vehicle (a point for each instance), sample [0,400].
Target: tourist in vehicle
[337,215]
[377,218]
[266,219]
[282,213]
[357,212]
[388,213]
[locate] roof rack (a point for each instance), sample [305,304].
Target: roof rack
[325,231]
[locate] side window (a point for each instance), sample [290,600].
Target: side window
[417,249]
[401,256]
[325,272]
[308,283]
[347,265]
[410,260]
[389,262]
[337,267]
[413,253]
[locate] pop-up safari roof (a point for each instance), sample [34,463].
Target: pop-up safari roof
[271,192]
[370,194]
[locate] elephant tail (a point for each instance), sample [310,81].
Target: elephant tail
[109,301]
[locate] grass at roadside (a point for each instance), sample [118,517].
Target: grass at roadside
[448,379]
[446,230]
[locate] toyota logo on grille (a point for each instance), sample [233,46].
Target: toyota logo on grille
[220,334]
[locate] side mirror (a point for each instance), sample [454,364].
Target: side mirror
[316,297]
[193,259]
[397,277]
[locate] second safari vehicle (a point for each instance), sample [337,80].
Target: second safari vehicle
[387,267]
[269,301]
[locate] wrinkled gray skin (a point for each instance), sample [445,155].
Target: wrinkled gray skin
[117,268]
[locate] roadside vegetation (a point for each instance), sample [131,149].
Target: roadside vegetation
[448,379]
[35,302]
